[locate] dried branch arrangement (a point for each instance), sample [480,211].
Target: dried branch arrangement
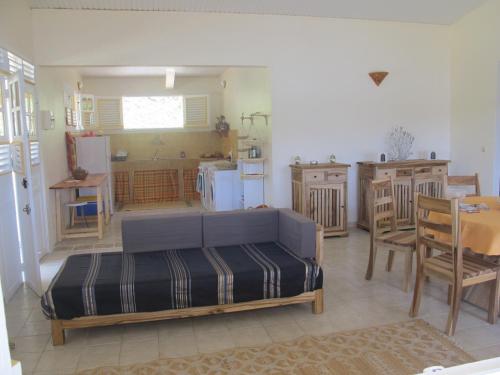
[399,142]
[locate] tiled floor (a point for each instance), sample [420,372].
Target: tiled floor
[350,302]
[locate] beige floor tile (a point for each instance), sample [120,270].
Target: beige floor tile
[486,353]
[177,346]
[31,344]
[140,332]
[208,324]
[139,351]
[35,328]
[28,360]
[478,337]
[284,332]
[75,339]
[55,360]
[176,327]
[250,336]
[99,355]
[105,335]
[215,341]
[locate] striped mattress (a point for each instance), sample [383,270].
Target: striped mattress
[114,283]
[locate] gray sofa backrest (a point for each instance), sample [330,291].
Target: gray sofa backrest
[162,232]
[297,233]
[237,227]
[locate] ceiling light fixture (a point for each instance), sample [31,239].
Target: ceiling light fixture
[169,78]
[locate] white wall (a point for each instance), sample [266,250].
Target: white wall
[323,100]
[475,95]
[151,86]
[15,28]
[248,91]
[51,83]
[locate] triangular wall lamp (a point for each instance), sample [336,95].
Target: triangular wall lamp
[378,77]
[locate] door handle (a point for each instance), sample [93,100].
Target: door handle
[25,183]
[27,209]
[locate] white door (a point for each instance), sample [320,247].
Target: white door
[10,256]
[23,188]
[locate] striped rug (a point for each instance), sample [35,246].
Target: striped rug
[394,349]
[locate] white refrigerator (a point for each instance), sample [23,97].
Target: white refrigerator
[94,155]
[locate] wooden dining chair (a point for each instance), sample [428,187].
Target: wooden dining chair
[464,182]
[384,233]
[452,266]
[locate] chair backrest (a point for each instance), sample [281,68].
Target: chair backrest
[382,210]
[438,227]
[464,182]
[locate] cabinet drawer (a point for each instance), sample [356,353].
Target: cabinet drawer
[440,170]
[407,172]
[314,176]
[336,176]
[423,171]
[385,173]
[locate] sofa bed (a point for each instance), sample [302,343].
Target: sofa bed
[193,264]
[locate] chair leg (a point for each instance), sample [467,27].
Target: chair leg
[494,300]
[428,254]
[451,325]
[450,294]
[417,292]
[390,261]
[371,261]
[408,270]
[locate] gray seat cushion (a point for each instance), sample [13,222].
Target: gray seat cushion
[241,226]
[297,233]
[162,232]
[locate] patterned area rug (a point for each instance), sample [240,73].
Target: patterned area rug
[402,348]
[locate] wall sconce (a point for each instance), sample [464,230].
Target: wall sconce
[169,78]
[378,77]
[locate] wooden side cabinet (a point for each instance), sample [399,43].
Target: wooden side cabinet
[319,192]
[409,176]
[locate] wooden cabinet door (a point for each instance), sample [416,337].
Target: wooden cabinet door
[403,198]
[326,205]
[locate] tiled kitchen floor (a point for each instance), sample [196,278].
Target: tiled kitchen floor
[350,302]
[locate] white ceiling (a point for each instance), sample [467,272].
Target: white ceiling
[422,11]
[150,71]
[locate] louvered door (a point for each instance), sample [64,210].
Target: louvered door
[325,205]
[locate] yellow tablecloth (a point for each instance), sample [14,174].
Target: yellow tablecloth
[481,230]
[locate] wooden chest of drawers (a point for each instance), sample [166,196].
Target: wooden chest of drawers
[320,193]
[409,176]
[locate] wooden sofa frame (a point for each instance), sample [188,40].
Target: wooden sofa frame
[316,297]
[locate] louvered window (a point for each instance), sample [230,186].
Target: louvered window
[3,122]
[35,152]
[196,111]
[5,160]
[11,63]
[17,157]
[109,112]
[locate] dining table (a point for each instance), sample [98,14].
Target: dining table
[97,181]
[480,236]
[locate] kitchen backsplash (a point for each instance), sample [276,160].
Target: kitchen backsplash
[170,144]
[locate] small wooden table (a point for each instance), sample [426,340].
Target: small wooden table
[97,181]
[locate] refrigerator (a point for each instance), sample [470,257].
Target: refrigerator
[94,155]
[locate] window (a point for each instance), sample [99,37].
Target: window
[3,131]
[153,112]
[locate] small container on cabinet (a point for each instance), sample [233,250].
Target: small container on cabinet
[319,192]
